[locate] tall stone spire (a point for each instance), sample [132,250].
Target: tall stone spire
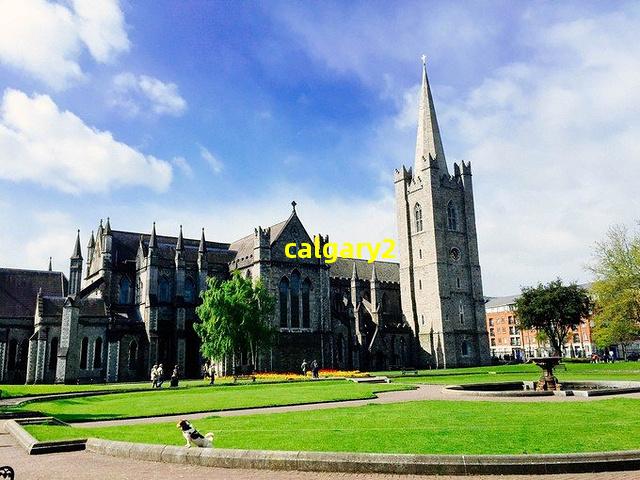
[428,141]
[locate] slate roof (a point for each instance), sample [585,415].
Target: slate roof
[124,246]
[386,271]
[19,289]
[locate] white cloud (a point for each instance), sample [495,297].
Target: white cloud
[182,165]
[43,144]
[143,93]
[214,163]
[46,39]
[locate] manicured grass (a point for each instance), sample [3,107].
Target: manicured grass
[507,373]
[190,400]
[429,427]
[15,391]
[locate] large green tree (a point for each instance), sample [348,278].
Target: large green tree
[235,316]
[616,289]
[553,309]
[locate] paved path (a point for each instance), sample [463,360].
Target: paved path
[423,392]
[90,466]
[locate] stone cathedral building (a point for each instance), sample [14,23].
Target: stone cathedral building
[130,298]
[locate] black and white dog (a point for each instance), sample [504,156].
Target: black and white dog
[191,435]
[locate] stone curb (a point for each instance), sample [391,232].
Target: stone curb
[33,446]
[372,462]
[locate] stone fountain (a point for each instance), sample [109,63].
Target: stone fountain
[548,380]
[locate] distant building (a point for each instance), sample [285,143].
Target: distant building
[509,342]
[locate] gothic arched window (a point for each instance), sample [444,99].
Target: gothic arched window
[295,299]
[133,355]
[283,289]
[124,291]
[189,290]
[97,353]
[164,290]
[306,304]
[417,212]
[53,353]
[138,290]
[84,353]
[452,217]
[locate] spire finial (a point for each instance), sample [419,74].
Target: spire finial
[108,227]
[293,204]
[50,266]
[152,240]
[424,60]
[180,243]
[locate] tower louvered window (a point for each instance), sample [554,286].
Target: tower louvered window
[417,211]
[452,217]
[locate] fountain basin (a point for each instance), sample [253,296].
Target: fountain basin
[527,389]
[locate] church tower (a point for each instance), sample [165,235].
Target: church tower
[440,281]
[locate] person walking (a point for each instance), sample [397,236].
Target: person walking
[303,367]
[314,369]
[212,372]
[160,373]
[154,376]
[175,377]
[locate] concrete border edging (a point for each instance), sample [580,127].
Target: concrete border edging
[35,447]
[372,462]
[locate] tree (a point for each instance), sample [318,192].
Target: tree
[235,317]
[616,267]
[553,309]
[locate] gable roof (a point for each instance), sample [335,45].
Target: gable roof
[19,290]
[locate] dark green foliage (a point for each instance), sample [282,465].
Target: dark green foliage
[553,309]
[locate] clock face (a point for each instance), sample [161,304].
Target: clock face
[454,254]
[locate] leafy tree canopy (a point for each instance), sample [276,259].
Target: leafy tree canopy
[553,309]
[617,288]
[235,316]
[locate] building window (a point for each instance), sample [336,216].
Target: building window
[284,301]
[133,355]
[458,282]
[84,353]
[189,290]
[417,211]
[492,332]
[491,322]
[493,342]
[461,313]
[465,348]
[53,353]
[295,300]
[420,284]
[124,289]
[420,253]
[97,353]
[306,304]
[13,354]
[164,290]
[452,217]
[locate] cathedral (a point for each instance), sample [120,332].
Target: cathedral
[129,300]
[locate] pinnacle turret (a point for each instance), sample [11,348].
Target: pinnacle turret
[180,243]
[153,242]
[92,241]
[50,266]
[77,253]
[428,141]
[108,227]
[202,248]
[354,272]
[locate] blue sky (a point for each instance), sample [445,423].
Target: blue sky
[218,114]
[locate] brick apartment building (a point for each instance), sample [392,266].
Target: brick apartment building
[507,341]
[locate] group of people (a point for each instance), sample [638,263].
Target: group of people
[314,367]
[157,376]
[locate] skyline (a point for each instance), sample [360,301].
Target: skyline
[218,117]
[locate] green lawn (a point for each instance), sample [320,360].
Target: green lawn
[191,400]
[429,427]
[508,373]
